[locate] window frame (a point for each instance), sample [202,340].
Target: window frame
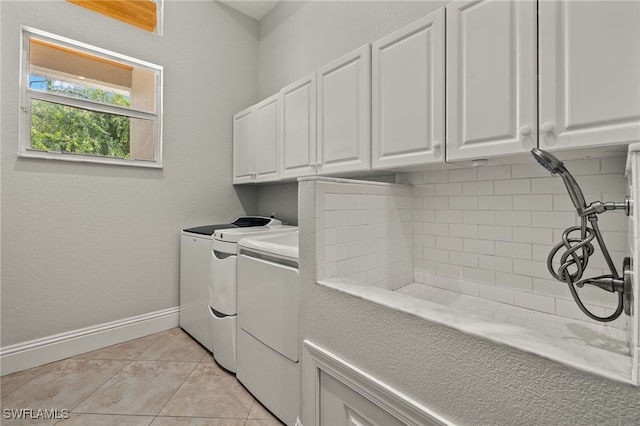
[27,95]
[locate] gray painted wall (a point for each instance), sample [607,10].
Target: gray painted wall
[84,244]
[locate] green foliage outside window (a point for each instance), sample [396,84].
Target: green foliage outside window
[56,127]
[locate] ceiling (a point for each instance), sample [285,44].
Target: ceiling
[256,9]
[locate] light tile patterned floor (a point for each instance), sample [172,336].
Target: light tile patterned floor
[159,380]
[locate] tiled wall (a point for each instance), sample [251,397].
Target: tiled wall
[633,176]
[487,231]
[367,232]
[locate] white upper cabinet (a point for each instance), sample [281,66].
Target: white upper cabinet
[344,113]
[256,143]
[267,140]
[243,132]
[491,78]
[408,95]
[589,73]
[299,127]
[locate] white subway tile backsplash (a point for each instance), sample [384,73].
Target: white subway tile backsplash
[495,202]
[612,165]
[495,263]
[436,176]
[532,235]
[554,219]
[512,186]
[494,173]
[528,170]
[463,175]
[483,231]
[517,282]
[449,243]
[533,202]
[479,246]
[535,302]
[495,232]
[479,275]
[532,268]
[477,188]
[462,230]
[463,203]
[548,185]
[448,270]
[465,287]
[478,217]
[513,250]
[499,294]
[513,218]
[463,259]
[449,216]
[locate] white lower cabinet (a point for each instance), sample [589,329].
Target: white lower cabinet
[491,78]
[256,143]
[408,76]
[340,405]
[589,73]
[337,393]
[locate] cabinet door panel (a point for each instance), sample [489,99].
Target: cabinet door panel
[299,127]
[491,89]
[408,95]
[243,134]
[267,144]
[344,113]
[589,73]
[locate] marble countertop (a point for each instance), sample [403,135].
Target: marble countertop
[593,348]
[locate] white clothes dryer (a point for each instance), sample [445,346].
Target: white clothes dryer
[222,287]
[268,361]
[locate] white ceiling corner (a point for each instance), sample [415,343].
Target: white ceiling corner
[256,9]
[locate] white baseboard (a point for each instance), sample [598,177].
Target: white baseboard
[64,345]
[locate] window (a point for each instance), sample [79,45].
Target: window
[83,103]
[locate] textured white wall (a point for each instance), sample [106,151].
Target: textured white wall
[467,380]
[84,244]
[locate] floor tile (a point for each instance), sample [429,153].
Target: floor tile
[76,419]
[127,350]
[196,421]
[259,412]
[142,387]
[64,384]
[11,382]
[174,345]
[209,392]
[262,422]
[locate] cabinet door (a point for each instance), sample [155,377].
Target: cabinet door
[408,95]
[589,73]
[299,127]
[243,136]
[491,89]
[267,146]
[344,113]
[341,405]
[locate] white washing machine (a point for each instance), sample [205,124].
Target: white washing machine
[195,255]
[268,361]
[222,288]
